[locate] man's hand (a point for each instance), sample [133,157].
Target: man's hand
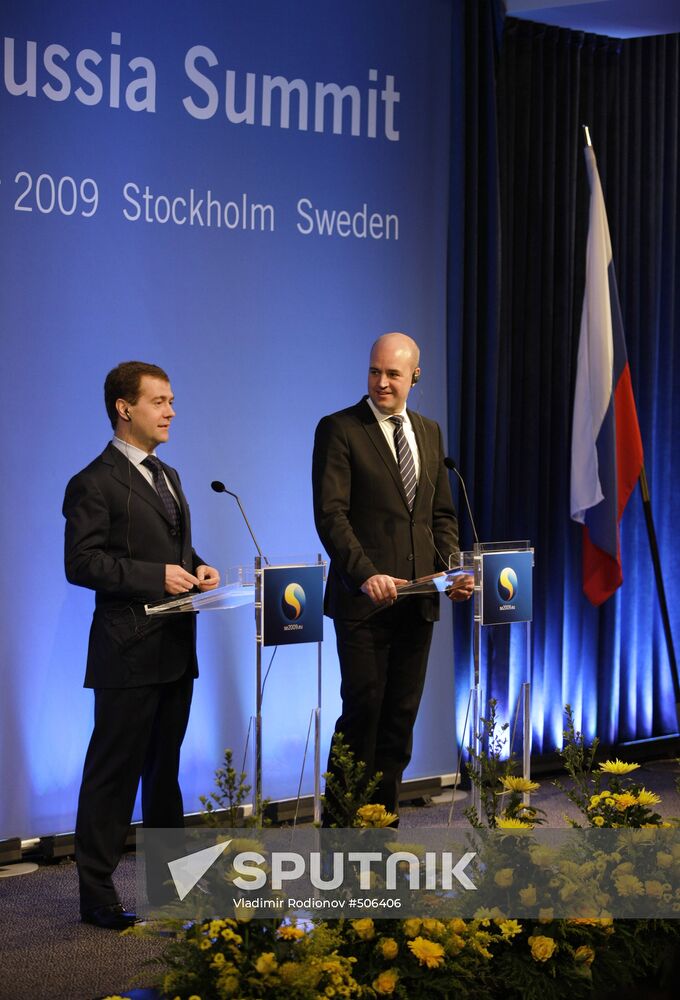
[178,581]
[382,589]
[462,588]
[208,578]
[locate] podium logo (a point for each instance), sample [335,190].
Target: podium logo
[507,584]
[293,601]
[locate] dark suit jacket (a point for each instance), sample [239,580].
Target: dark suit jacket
[118,541]
[362,516]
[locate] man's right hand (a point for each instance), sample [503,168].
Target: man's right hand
[382,589]
[178,581]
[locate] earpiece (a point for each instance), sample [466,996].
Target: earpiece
[416,376]
[127,415]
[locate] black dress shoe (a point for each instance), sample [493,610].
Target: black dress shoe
[112,917]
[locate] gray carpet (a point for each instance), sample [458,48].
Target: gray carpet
[47,954]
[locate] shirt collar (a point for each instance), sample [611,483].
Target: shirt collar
[132,452]
[382,417]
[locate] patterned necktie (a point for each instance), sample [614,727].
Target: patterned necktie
[407,466]
[169,502]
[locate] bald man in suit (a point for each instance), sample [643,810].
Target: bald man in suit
[128,537]
[384,513]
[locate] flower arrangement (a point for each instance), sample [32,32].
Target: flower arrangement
[414,959]
[620,803]
[485,958]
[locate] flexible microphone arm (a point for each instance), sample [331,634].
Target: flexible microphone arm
[221,488]
[451,465]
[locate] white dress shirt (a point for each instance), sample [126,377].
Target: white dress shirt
[387,427]
[136,456]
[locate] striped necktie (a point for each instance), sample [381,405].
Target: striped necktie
[407,467]
[169,502]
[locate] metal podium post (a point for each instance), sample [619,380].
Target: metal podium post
[258,691]
[502,595]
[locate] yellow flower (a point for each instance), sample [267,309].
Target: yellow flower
[625,799]
[618,767]
[266,963]
[629,885]
[435,928]
[428,953]
[455,944]
[227,982]
[528,895]
[290,972]
[389,948]
[598,820]
[512,823]
[625,868]
[411,927]
[542,948]
[517,784]
[231,937]
[288,932]
[664,859]
[205,944]
[375,816]
[545,914]
[365,928]
[568,891]
[218,960]
[654,888]
[503,878]
[509,928]
[584,955]
[386,982]
[457,925]
[646,798]
[542,855]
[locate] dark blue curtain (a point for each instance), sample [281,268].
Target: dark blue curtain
[518,229]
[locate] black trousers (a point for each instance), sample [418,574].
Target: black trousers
[383,661]
[137,734]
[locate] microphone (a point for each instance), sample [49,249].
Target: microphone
[451,465]
[219,487]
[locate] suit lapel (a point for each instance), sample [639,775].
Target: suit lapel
[124,471]
[377,438]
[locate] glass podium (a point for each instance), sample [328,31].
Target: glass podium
[288,603]
[503,595]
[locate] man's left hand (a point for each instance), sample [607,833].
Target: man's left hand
[462,588]
[208,578]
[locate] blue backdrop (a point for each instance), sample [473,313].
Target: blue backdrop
[114,116]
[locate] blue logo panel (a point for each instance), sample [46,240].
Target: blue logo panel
[507,594]
[292,605]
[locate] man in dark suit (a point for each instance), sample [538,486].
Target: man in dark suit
[383,511]
[128,537]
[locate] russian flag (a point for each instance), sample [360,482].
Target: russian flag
[606,447]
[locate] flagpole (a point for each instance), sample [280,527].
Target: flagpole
[660,588]
[656,560]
